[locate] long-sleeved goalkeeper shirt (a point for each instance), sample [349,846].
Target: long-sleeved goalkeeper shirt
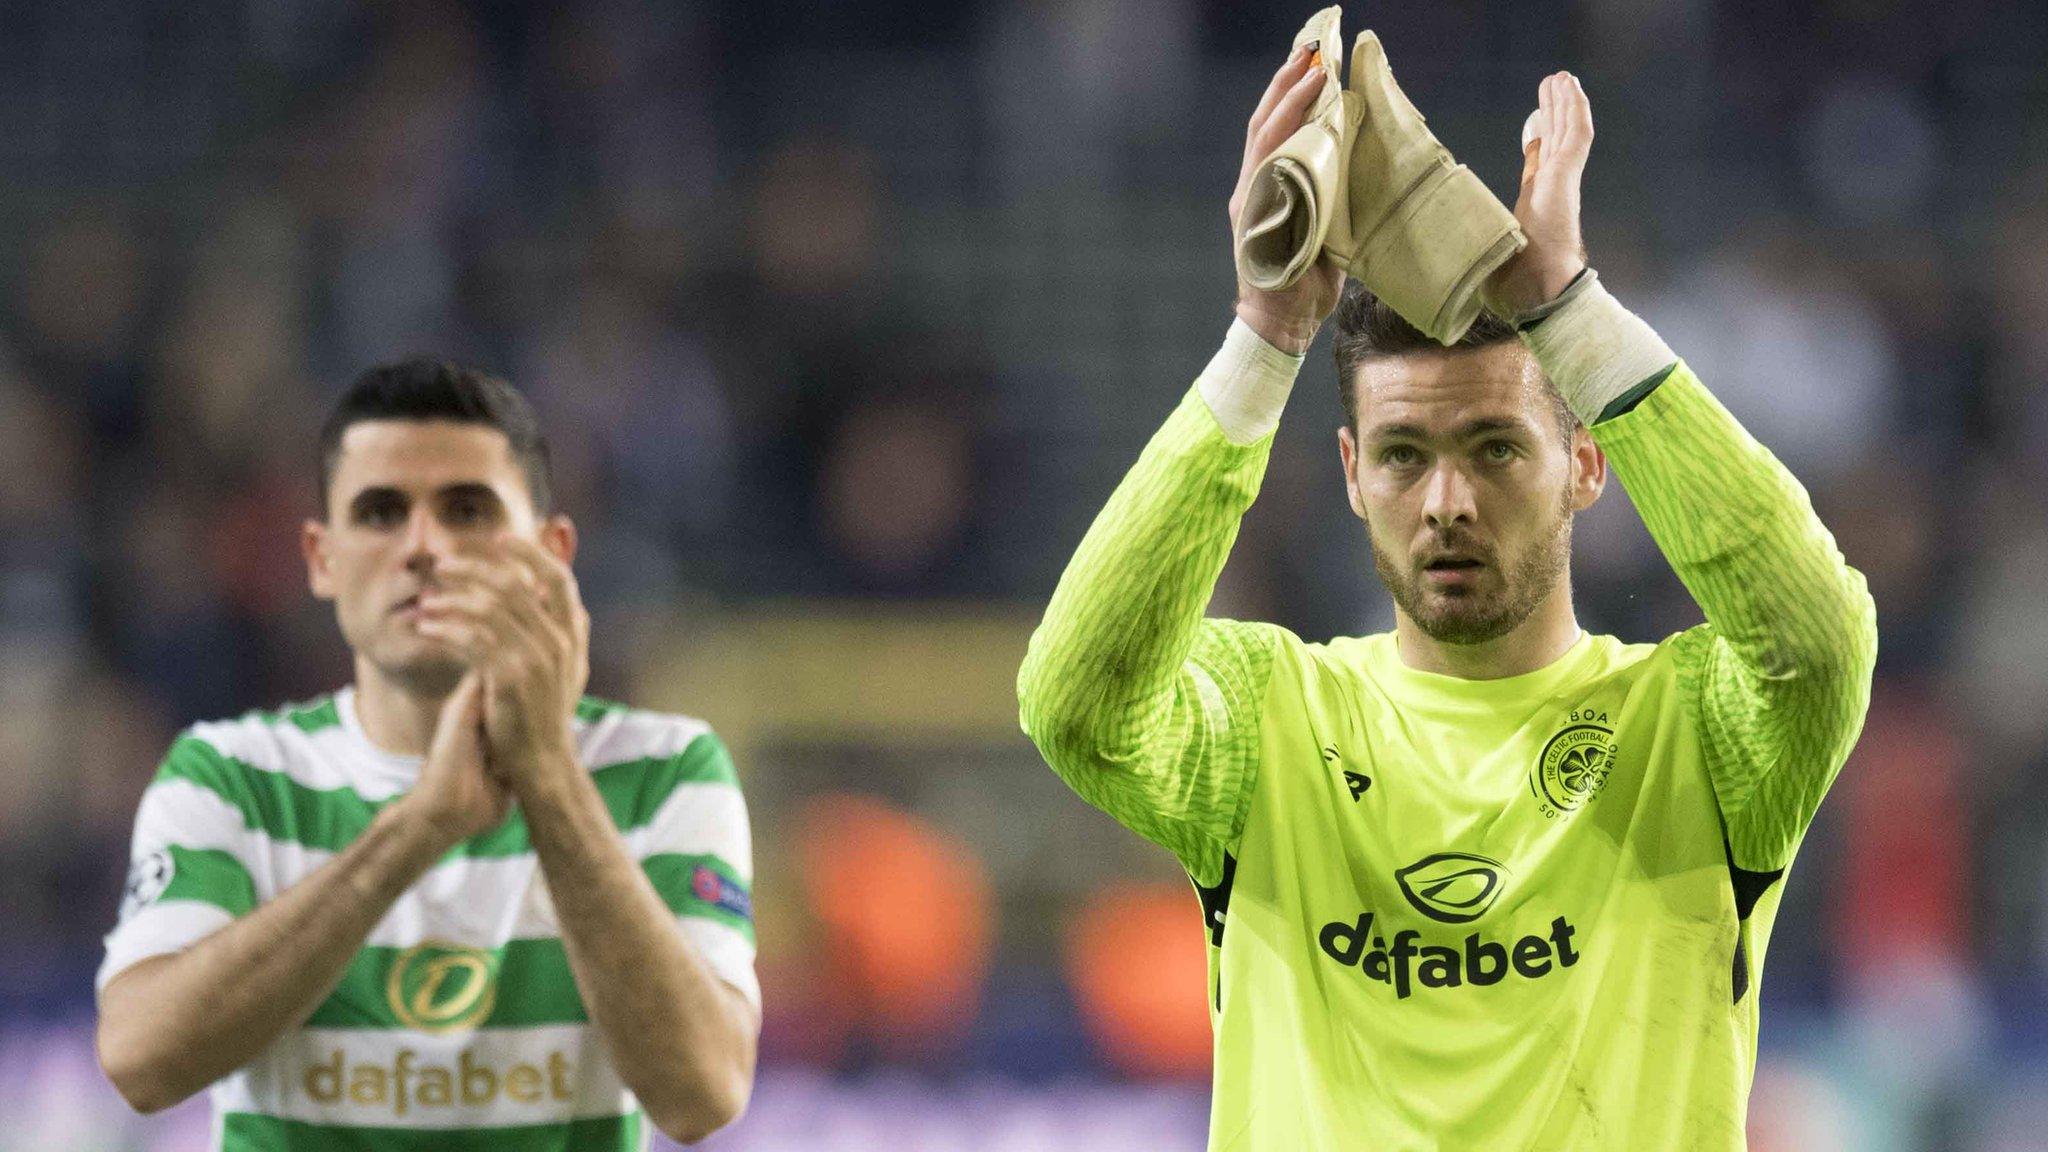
[1470,914]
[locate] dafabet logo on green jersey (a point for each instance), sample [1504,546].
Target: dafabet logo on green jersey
[439,988]
[406,1082]
[1452,888]
[442,987]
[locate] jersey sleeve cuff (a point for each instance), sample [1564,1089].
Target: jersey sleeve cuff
[1594,350]
[1247,383]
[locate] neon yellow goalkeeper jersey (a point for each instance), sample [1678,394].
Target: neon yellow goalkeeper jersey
[1525,913]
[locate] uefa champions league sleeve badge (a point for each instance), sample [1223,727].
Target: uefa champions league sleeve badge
[147,879]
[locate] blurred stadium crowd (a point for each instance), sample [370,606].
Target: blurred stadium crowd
[844,318]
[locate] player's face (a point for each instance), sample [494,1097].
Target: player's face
[405,496]
[1467,487]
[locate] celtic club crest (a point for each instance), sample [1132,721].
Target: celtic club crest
[1574,766]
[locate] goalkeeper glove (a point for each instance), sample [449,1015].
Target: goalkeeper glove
[1365,182]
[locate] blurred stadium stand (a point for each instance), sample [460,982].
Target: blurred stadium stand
[844,318]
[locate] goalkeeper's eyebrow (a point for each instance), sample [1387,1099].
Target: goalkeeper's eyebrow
[1470,430]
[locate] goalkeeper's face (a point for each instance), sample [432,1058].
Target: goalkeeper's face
[1467,484]
[404,497]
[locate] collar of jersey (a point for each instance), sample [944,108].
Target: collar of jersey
[388,769]
[1415,685]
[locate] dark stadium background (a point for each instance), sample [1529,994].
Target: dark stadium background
[844,318]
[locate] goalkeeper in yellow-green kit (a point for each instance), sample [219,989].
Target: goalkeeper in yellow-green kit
[1486,881]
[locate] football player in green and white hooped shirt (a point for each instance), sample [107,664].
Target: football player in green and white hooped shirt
[456,905]
[1486,881]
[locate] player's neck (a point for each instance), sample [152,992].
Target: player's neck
[1535,643]
[395,716]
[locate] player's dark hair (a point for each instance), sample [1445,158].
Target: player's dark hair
[1369,329]
[423,388]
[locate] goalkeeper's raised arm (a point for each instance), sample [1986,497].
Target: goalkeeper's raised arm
[1782,671]
[1147,710]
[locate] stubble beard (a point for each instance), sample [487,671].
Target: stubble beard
[1465,616]
[420,668]
[430,677]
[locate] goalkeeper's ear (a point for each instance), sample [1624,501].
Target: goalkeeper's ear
[1589,469]
[1347,453]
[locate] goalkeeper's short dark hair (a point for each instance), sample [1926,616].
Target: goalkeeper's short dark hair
[423,388]
[1369,329]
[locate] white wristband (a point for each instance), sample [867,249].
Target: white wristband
[1246,384]
[1595,350]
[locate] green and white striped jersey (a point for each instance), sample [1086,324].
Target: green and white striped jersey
[458,1025]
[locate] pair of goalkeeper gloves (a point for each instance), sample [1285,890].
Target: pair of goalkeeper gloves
[1366,183]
